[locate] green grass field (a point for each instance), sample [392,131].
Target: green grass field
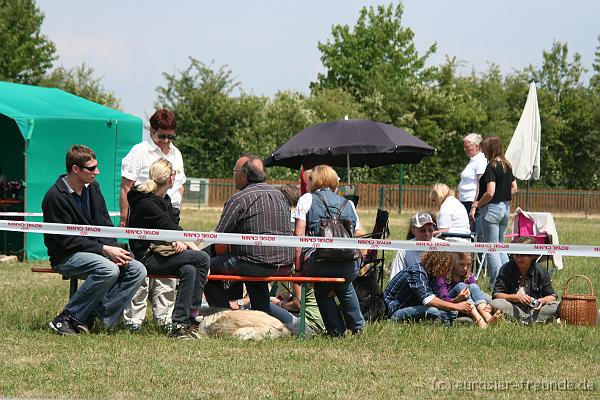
[388,361]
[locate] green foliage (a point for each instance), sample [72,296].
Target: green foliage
[208,117]
[372,70]
[595,79]
[80,81]
[376,53]
[25,53]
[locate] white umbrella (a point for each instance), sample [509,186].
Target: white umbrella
[523,152]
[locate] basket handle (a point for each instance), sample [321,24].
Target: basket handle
[579,276]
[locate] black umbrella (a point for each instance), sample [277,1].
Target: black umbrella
[351,143]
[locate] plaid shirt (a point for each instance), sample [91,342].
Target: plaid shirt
[258,209]
[410,287]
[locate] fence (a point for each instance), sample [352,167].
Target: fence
[214,193]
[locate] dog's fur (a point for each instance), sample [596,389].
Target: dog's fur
[243,324]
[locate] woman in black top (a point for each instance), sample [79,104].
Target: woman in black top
[496,187]
[150,208]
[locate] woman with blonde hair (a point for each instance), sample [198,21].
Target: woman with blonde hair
[321,203]
[150,208]
[452,217]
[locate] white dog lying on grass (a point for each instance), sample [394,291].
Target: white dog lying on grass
[243,324]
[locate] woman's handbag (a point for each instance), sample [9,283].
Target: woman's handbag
[579,309]
[162,249]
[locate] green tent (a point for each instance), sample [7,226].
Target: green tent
[38,125]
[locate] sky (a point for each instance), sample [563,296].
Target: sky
[271,45]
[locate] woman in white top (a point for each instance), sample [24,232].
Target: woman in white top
[453,217]
[469,177]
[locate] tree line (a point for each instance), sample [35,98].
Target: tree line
[371,70]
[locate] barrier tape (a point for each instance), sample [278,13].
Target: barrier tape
[39,214]
[296,241]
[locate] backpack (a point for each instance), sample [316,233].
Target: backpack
[332,227]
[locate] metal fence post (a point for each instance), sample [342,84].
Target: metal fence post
[382,197]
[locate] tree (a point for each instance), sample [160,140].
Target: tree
[208,117]
[377,53]
[558,74]
[595,79]
[25,53]
[80,81]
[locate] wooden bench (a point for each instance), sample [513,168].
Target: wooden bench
[304,281]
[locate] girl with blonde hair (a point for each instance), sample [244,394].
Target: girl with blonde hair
[150,208]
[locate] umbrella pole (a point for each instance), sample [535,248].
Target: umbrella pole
[400,187]
[348,167]
[527,196]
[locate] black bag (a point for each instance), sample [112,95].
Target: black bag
[335,226]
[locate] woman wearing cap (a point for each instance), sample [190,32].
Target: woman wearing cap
[421,230]
[496,187]
[469,177]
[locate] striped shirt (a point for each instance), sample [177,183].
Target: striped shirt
[258,209]
[410,287]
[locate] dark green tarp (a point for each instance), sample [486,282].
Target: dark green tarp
[38,125]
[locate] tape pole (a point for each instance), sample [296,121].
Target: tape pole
[295,241]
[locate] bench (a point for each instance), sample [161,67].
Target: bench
[303,281]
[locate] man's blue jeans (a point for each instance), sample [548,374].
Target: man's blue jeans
[494,220]
[107,289]
[420,312]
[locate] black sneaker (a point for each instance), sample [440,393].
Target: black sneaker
[181,331]
[62,325]
[84,328]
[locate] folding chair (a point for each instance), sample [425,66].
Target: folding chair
[525,226]
[540,226]
[374,261]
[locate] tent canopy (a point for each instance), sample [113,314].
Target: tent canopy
[38,125]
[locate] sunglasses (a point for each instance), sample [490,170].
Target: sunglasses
[165,136]
[91,168]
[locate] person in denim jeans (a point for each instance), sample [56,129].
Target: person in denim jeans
[312,207]
[461,285]
[410,296]
[111,275]
[496,187]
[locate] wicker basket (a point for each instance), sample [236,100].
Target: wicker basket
[579,309]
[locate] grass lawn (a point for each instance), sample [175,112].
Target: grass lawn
[388,361]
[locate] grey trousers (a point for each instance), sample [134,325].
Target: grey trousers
[526,314]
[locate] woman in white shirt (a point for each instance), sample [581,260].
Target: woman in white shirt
[453,217]
[469,177]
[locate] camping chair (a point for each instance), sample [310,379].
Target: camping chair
[525,226]
[540,226]
[374,260]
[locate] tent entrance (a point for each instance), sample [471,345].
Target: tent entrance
[12,176]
